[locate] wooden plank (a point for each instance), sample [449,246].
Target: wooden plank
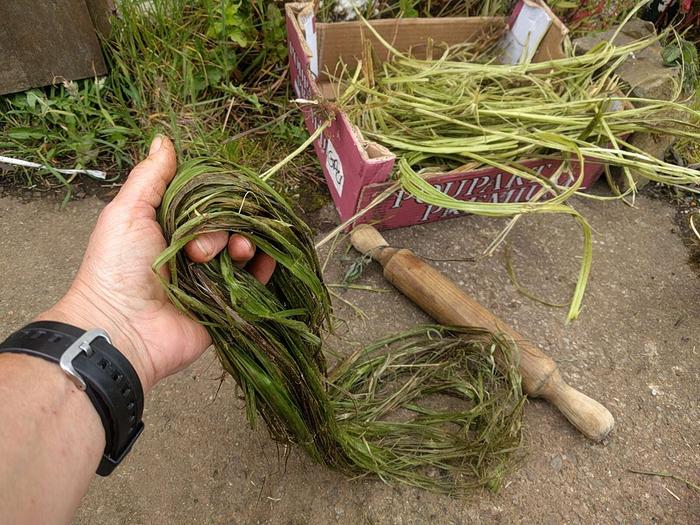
[45,42]
[100,11]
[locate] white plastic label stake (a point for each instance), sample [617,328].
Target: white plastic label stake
[98,174]
[312,42]
[525,36]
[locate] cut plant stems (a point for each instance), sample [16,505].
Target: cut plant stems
[376,412]
[463,108]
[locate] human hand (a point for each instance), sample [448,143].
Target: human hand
[116,290]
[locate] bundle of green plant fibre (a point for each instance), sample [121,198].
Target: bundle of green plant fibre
[389,399]
[448,114]
[378,412]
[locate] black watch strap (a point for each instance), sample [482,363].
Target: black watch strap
[95,366]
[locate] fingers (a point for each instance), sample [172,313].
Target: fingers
[240,249]
[147,181]
[206,246]
[262,267]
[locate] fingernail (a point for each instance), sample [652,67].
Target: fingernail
[155,145]
[204,246]
[248,243]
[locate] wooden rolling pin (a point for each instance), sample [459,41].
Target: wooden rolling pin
[448,304]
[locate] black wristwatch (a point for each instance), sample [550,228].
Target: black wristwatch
[95,366]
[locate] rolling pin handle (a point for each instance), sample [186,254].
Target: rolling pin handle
[367,240]
[590,417]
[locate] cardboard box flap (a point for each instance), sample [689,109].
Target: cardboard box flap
[296,14]
[343,41]
[551,46]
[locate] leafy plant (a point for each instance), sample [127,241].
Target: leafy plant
[684,53]
[230,21]
[408,9]
[200,71]
[74,120]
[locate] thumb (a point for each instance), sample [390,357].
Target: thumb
[147,181]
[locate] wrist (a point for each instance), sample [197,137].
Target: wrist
[78,310]
[93,366]
[51,439]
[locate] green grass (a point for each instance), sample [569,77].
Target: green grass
[431,399]
[72,125]
[329,11]
[200,71]
[678,51]
[205,72]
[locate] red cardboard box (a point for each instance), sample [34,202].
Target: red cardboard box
[358,170]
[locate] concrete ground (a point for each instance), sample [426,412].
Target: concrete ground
[635,348]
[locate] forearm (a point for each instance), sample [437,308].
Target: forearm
[51,436]
[51,440]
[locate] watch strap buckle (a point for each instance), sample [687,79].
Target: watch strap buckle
[81,345]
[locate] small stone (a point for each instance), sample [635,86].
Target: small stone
[328,213]
[556,463]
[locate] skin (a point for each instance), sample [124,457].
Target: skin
[51,437]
